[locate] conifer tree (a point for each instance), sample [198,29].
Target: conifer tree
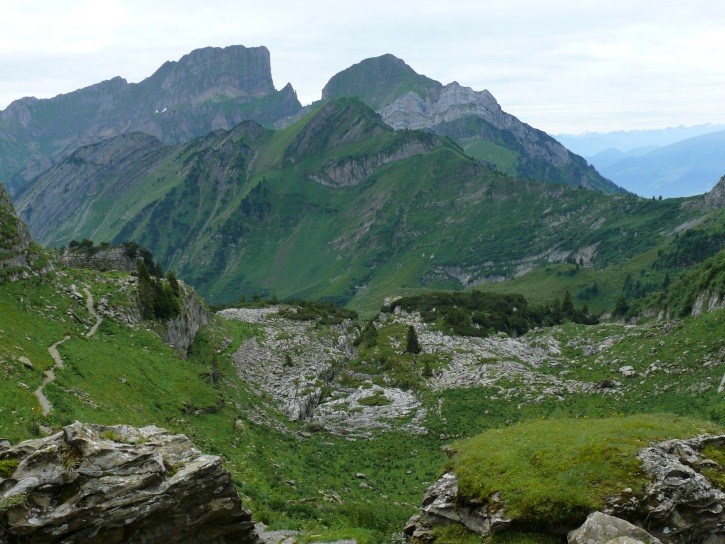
[145,291]
[621,308]
[567,306]
[412,345]
[173,282]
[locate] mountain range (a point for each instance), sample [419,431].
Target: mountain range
[673,162]
[590,144]
[240,212]
[688,167]
[205,90]
[215,88]
[385,200]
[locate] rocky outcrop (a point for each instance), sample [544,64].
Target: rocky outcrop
[208,89]
[681,504]
[600,528]
[354,170]
[180,331]
[98,258]
[95,484]
[442,505]
[716,197]
[708,301]
[16,251]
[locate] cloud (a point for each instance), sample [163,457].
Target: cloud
[558,65]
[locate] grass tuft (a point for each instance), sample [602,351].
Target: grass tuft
[554,472]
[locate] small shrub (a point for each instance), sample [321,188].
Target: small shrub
[7,467]
[378,399]
[12,502]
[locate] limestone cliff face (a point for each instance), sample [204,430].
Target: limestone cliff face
[455,102]
[708,301]
[180,331]
[464,114]
[207,89]
[105,485]
[100,259]
[15,241]
[354,170]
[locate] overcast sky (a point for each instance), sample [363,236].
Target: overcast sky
[561,66]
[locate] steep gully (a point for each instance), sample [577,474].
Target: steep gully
[45,404]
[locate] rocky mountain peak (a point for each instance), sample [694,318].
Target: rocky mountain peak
[206,73]
[378,81]
[408,100]
[381,69]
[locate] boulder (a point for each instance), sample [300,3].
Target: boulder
[110,484]
[681,503]
[442,505]
[601,528]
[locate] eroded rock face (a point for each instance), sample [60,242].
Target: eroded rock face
[716,197]
[115,258]
[442,505]
[180,331]
[681,504]
[113,484]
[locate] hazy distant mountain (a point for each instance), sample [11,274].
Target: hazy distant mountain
[408,100]
[592,143]
[688,167]
[208,89]
[610,156]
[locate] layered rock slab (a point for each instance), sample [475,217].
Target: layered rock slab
[112,484]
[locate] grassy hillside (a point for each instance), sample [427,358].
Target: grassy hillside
[296,475]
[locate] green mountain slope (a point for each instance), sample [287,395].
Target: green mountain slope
[337,206]
[379,81]
[475,120]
